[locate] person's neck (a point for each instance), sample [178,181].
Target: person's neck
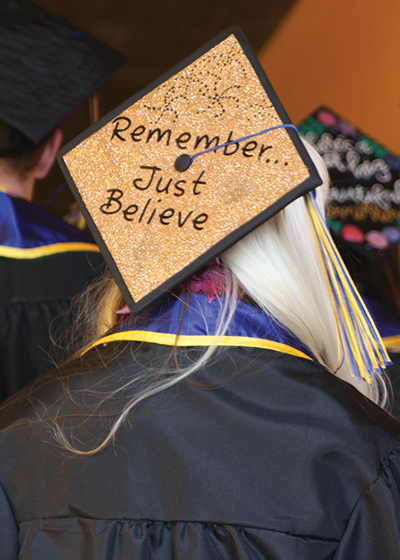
[13,187]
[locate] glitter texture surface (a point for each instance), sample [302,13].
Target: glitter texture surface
[156,220]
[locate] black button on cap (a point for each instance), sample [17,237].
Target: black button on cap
[183,162]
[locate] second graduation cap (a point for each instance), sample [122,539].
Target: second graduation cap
[364,202]
[48,67]
[364,199]
[158,216]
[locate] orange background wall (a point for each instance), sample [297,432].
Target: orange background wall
[344,54]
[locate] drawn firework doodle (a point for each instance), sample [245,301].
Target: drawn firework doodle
[214,85]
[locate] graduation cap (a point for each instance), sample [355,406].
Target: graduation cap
[48,67]
[187,167]
[179,172]
[364,201]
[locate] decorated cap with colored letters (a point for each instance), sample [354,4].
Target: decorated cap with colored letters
[364,198]
[363,203]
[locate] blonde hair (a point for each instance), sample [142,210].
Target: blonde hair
[278,266]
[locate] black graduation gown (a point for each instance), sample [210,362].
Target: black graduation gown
[44,264]
[261,455]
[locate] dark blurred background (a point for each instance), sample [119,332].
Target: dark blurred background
[154,35]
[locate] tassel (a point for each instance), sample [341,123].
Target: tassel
[357,333]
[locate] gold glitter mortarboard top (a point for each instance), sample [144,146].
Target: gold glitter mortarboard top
[158,216]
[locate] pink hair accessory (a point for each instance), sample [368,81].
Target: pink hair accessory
[124,311]
[211,280]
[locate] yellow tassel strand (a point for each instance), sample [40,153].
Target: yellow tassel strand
[356,329]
